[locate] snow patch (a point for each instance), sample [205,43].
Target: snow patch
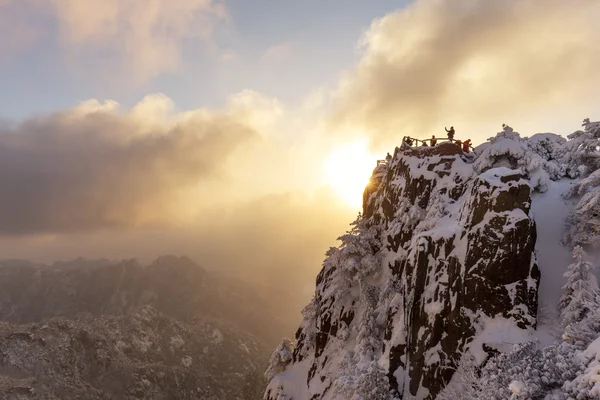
[186,361]
[498,333]
[516,387]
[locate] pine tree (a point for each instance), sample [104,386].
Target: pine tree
[508,149]
[580,289]
[280,358]
[582,150]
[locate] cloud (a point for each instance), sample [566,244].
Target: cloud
[95,167]
[142,37]
[279,53]
[234,188]
[472,63]
[277,239]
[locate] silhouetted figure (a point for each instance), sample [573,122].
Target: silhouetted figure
[458,143]
[424,143]
[409,141]
[388,157]
[433,140]
[450,133]
[466,145]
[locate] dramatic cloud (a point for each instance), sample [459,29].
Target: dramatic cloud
[94,167]
[235,188]
[143,37]
[274,239]
[472,63]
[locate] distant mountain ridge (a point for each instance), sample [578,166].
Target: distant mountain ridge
[175,286]
[98,329]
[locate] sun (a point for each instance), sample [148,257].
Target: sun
[348,169]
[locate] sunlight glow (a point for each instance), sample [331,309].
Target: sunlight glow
[348,169]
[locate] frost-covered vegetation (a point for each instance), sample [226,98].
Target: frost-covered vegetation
[569,368]
[359,276]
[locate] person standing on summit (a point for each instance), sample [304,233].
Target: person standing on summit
[450,133]
[466,145]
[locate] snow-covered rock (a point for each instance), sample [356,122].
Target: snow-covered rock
[434,292]
[128,357]
[442,250]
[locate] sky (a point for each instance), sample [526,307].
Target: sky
[243,133]
[256,45]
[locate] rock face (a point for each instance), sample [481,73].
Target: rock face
[440,257]
[102,330]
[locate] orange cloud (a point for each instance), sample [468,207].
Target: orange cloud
[473,64]
[93,167]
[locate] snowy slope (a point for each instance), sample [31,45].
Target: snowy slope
[550,211]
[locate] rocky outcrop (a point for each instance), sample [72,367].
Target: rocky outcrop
[440,256]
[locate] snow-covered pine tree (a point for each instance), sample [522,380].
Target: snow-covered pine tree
[508,149]
[526,372]
[580,289]
[584,332]
[551,148]
[373,384]
[280,358]
[584,221]
[359,248]
[582,150]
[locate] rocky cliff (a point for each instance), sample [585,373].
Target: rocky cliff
[439,267]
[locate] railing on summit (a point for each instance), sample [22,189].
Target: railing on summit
[408,141]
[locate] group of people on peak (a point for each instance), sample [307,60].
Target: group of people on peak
[465,146]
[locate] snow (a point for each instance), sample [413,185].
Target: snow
[590,379]
[493,175]
[550,210]
[357,349]
[186,361]
[516,387]
[508,150]
[293,379]
[498,333]
[593,350]
[217,336]
[433,308]
[177,342]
